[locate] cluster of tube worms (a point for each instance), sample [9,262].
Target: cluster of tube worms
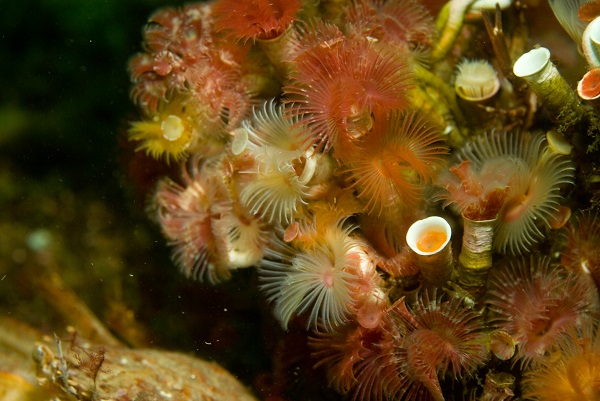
[413,190]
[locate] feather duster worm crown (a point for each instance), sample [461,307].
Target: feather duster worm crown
[334,90]
[403,152]
[534,176]
[536,302]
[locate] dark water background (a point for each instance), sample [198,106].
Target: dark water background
[65,186]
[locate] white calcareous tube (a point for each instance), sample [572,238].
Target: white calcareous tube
[543,78]
[430,240]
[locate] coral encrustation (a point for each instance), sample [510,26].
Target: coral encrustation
[311,135]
